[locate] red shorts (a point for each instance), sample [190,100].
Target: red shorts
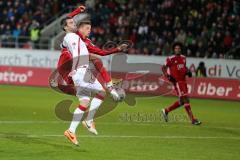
[181,88]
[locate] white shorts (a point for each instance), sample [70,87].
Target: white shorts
[86,83]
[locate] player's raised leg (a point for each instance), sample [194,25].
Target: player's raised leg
[94,105]
[104,78]
[97,89]
[165,111]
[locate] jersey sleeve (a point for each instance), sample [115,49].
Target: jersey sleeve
[94,49]
[185,63]
[168,62]
[185,60]
[75,12]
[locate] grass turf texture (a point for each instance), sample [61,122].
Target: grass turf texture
[29,129]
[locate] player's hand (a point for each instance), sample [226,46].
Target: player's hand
[82,8]
[189,73]
[122,47]
[171,79]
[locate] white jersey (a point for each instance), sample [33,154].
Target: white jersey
[78,50]
[83,79]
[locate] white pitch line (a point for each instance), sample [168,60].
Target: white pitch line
[161,124]
[31,122]
[122,136]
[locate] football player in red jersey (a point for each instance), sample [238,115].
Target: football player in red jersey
[175,70]
[84,29]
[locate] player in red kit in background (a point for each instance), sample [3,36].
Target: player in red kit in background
[175,70]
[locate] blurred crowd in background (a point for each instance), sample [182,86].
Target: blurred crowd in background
[23,20]
[207,28]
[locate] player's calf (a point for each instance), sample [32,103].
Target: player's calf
[165,115]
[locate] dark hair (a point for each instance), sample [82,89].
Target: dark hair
[63,22]
[177,44]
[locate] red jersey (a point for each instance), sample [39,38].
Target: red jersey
[75,12]
[177,67]
[90,46]
[65,65]
[66,57]
[92,49]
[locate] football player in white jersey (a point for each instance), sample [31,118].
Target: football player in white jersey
[84,81]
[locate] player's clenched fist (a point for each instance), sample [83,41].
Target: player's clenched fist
[82,8]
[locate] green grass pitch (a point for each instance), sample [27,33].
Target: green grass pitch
[29,129]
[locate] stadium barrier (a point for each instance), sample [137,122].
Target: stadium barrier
[33,67]
[216,88]
[216,68]
[24,76]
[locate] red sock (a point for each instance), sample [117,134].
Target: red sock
[173,106]
[189,111]
[82,108]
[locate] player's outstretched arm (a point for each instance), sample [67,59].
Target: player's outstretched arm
[102,52]
[77,11]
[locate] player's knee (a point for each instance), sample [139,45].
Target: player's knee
[181,102]
[185,100]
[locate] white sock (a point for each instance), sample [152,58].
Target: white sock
[77,116]
[109,84]
[95,104]
[115,95]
